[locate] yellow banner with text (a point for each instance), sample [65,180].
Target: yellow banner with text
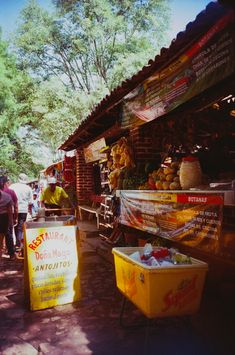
[52,266]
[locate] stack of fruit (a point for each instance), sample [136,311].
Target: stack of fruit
[167,178]
[120,158]
[164,178]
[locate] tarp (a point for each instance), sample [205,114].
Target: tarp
[191,218]
[207,62]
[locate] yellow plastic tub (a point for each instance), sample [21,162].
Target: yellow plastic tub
[160,291]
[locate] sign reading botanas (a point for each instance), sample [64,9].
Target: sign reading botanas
[194,219]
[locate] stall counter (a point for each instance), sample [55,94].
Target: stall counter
[203,220]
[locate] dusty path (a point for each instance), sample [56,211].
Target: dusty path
[92,325]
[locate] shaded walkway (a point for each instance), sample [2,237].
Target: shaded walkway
[92,325]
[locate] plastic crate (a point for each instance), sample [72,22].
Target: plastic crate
[160,291]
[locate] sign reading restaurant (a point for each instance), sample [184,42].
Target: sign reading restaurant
[51,266]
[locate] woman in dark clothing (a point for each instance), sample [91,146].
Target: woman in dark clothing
[4,183]
[6,204]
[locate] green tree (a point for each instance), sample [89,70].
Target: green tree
[91,44]
[15,90]
[58,110]
[80,53]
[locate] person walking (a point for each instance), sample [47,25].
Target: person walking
[25,201]
[54,197]
[4,186]
[35,205]
[5,215]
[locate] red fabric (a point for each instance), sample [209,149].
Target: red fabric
[69,167]
[96,198]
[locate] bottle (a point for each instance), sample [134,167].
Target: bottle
[190,172]
[41,215]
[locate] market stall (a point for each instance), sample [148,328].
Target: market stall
[194,198]
[65,173]
[54,169]
[177,117]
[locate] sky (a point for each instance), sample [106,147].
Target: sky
[10,11]
[183,12]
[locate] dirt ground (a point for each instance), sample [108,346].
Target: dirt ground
[91,326]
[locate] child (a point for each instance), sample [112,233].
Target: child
[35,205]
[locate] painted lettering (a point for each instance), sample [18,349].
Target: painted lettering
[39,239]
[31,246]
[197,199]
[185,293]
[57,265]
[34,244]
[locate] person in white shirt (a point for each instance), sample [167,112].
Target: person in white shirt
[25,200]
[36,204]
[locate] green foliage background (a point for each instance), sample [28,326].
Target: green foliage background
[63,63]
[16,88]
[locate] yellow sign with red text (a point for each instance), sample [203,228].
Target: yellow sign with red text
[52,266]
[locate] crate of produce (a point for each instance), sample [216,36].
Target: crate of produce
[160,291]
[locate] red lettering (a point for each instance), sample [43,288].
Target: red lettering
[187,300]
[169,301]
[39,240]
[31,246]
[42,236]
[36,242]
[181,297]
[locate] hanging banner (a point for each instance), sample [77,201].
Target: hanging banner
[207,62]
[190,218]
[92,152]
[51,268]
[69,172]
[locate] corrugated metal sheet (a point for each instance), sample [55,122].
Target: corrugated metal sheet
[101,119]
